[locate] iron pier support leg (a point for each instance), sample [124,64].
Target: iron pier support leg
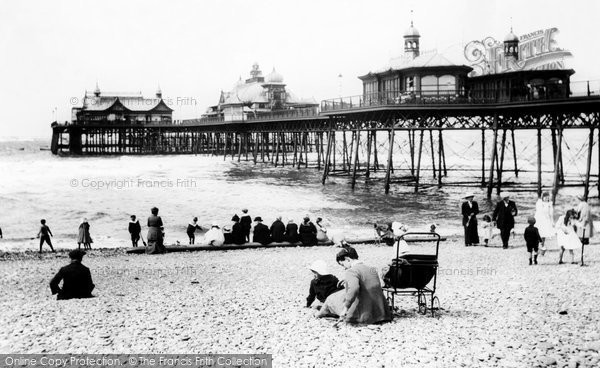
[483,157]
[586,190]
[501,167]
[514,149]
[440,158]
[493,159]
[539,162]
[432,152]
[388,169]
[355,156]
[418,171]
[369,144]
[556,166]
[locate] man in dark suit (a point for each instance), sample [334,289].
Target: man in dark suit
[504,217]
[246,222]
[262,234]
[76,278]
[278,230]
[469,210]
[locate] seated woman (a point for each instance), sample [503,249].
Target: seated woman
[386,234]
[363,300]
[322,285]
[321,231]
[214,236]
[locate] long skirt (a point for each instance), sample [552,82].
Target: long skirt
[471,235]
[155,241]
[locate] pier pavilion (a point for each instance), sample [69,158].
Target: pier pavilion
[393,129]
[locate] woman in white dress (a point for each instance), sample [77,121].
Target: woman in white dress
[321,231]
[566,236]
[544,219]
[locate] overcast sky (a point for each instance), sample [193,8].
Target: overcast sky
[52,51]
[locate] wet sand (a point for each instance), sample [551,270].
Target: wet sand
[497,310]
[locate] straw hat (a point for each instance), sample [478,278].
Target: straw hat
[469,195]
[320,267]
[504,194]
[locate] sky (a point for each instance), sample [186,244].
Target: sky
[51,52]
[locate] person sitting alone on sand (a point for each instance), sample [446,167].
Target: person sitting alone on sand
[278,230]
[191,230]
[262,234]
[214,236]
[135,229]
[385,233]
[84,235]
[322,285]
[76,278]
[363,300]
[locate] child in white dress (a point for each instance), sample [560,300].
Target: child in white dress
[486,229]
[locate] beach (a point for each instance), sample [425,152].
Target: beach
[496,310]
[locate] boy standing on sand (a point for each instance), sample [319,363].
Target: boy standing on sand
[532,238]
[44,234]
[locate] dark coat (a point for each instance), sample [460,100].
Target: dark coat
[237,234]
[308,233]
[532,236]
[321,288]
[467,210]
[135,228]
[278,231]
[351,251]
[505,215]
[262,234]
[291,233]
[246,222]
[77,282]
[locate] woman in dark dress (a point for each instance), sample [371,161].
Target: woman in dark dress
[308,232]
[291,232]
[469,210]
[155,233]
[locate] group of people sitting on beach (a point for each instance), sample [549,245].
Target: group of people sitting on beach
[237,232]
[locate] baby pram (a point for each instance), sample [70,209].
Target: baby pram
[414,274]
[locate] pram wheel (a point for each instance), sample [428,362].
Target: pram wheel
[435,306]
[422,302]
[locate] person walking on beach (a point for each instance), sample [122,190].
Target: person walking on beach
[469,210]
[262,234]
[84,235]
[544,219]
[135,229]
[504,217]
[291,232]
[532,239]
[191,230]
[278,230]
[44,234]
[308,232]
[487,228]
[155,233]
[566,236]
[76,278]
[246,222]
[584,224]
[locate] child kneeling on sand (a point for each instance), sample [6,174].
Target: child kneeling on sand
[532,239]
[322,285]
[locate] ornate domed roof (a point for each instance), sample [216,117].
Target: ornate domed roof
[411,31]
[511,37]
[274,77]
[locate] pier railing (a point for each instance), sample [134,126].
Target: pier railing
[473,96]
[250,117]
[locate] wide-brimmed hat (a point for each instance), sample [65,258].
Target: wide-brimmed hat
[320,267]
[504,194]
[214,224]
[258,218]
[468,195]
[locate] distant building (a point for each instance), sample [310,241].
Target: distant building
[122,108]
[415,74]
[255,96]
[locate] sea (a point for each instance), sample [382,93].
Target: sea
[106,190]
